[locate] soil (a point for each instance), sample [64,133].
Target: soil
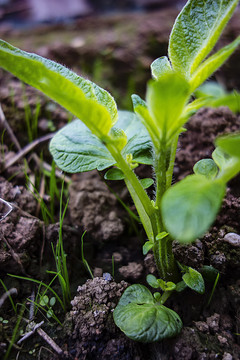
[113,241]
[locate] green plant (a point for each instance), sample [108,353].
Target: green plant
[216,95]
[60,257]
[107,138]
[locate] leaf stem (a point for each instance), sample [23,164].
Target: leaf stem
[143,204]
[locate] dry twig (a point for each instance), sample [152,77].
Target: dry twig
[6,125]
[10,292]
[26,150]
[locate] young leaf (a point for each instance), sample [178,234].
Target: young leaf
[114,174]
[230,144]
[215,95]
[206,167]
[160,95]
[196,31]
[190,207]
[139,143]
[209,66]
[140,108]
[142,319]
[160,67]
[194,280]
[209,273]
[210,88]
[222,159]
[161,235]
[90,103]
[146,183]
[180,286]
[147,246]
[152,281]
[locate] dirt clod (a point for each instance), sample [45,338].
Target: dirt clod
[91,206]
[92,328]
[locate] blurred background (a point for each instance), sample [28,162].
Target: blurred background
[110,42]
[23,12]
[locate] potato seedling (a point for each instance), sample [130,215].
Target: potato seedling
[107,138]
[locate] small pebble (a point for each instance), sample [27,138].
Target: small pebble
[233,239]
[107,276]
[227,356]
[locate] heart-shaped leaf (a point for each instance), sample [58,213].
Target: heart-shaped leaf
[141,318]
[75,149]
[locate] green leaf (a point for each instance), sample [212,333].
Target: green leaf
[160,67]
[52,301]
[170,286]
[114,174]
[222,159]
[206,167]
[147,246]
[230,144]
[146,321]
[146,183]
[119,138]
[180,286]
[229,165]
[210,88]
[137,294]
[152,281]
[141,110]
[161,235]
[139,143]
[196,31]
[90,103]
[44,300]
[209,66]
[232,101]
[194,280]
[75,149]
[190,207]
[160,97]
[215,95]
[209,273]
[50,313]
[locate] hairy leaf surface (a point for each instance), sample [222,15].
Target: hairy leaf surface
[90,103]
[190,207]
[161,66]
[166,99]
[209,66]
[196,31]
[75,149]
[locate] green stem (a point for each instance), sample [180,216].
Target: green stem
[165,260]
[160,167]
[141,200]
[169,173]
[150,215]
[162,249]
